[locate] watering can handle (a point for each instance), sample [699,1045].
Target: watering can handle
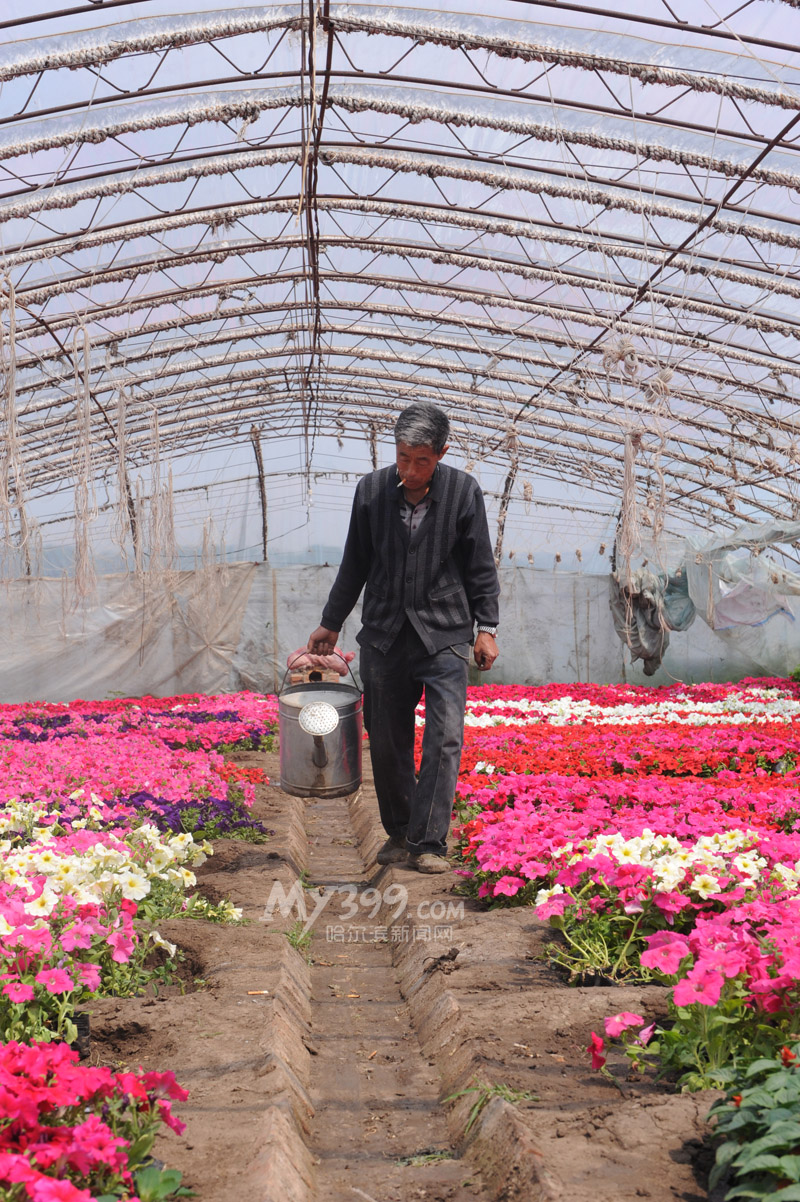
[306,652]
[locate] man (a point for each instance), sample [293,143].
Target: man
[419,546]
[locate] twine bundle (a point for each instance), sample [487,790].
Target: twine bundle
[84,579]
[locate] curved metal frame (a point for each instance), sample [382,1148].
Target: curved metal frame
[681,329]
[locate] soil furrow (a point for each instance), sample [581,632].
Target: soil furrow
[380,1132]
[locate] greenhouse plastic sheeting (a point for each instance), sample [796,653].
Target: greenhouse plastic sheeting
[233,628]
[128,640]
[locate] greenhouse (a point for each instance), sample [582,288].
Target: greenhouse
[247,256]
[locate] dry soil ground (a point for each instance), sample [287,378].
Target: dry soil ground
[322,1073]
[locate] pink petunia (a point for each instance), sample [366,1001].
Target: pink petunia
[700,985]
[18,992]
[508,885]
[89,975]
[618,1023]
[554,906]
[48,1189]
[165,1110]
[665,951]
[645,1035]
[122,946]
[55,980]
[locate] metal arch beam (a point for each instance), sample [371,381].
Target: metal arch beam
[209,417]
[66,286]
[489,396]
[389,335]
[686,501]
[461,322]
[449,368]
[730,410]
[214,216]
[576,394]
[782,363]
[524,41]
[38,294]
[739,413]
[106,121]
[771,97]
[555,416]
[446,165]
[676,25]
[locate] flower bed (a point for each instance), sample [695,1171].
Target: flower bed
[102,806]
[73,1134]
[658,830]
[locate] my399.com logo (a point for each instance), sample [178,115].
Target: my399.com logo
[307,905]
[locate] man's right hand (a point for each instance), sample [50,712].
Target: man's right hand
[323,641]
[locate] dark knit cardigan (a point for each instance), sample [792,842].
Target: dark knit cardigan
[442,578]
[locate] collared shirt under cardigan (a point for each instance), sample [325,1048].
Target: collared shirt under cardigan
[442,578]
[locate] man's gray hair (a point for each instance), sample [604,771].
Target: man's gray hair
[423,425]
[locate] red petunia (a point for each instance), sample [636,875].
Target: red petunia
[595,1050]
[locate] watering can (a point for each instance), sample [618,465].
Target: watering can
[320,724]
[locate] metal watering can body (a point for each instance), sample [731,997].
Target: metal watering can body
[320,730]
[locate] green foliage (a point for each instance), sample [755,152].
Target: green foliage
[425,1156]
[153,1184]
[198,822]
[223,911]
[708,1047]
[758,1125]
[607,944]
[484,1092]
[300,938]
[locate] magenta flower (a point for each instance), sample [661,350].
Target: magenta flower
[554,905]
[122,946]
[55,980]
[18,992]
[645,1035]
[700,985]
[508,885]
[618,1023]
[665,951]
[89,975]
[48,1189]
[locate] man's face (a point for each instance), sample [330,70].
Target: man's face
[416,465]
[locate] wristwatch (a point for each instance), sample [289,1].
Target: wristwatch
[492,630]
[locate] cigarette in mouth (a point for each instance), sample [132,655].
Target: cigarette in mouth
[400,483]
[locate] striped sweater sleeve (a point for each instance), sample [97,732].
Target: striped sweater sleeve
[354,568]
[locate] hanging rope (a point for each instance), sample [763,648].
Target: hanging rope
[84,579]
[628,540]
[25,541]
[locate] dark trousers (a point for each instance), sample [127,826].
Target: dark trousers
[415,810]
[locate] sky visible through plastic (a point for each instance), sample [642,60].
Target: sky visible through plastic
[576,231]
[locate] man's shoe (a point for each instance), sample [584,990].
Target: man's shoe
[428,862]
[393,851]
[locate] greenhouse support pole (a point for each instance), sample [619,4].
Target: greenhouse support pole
[505,498]
[262,489]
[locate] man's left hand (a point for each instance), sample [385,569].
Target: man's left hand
[486,651]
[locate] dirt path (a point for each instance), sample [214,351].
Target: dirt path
[319,1073]
[377,1098]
